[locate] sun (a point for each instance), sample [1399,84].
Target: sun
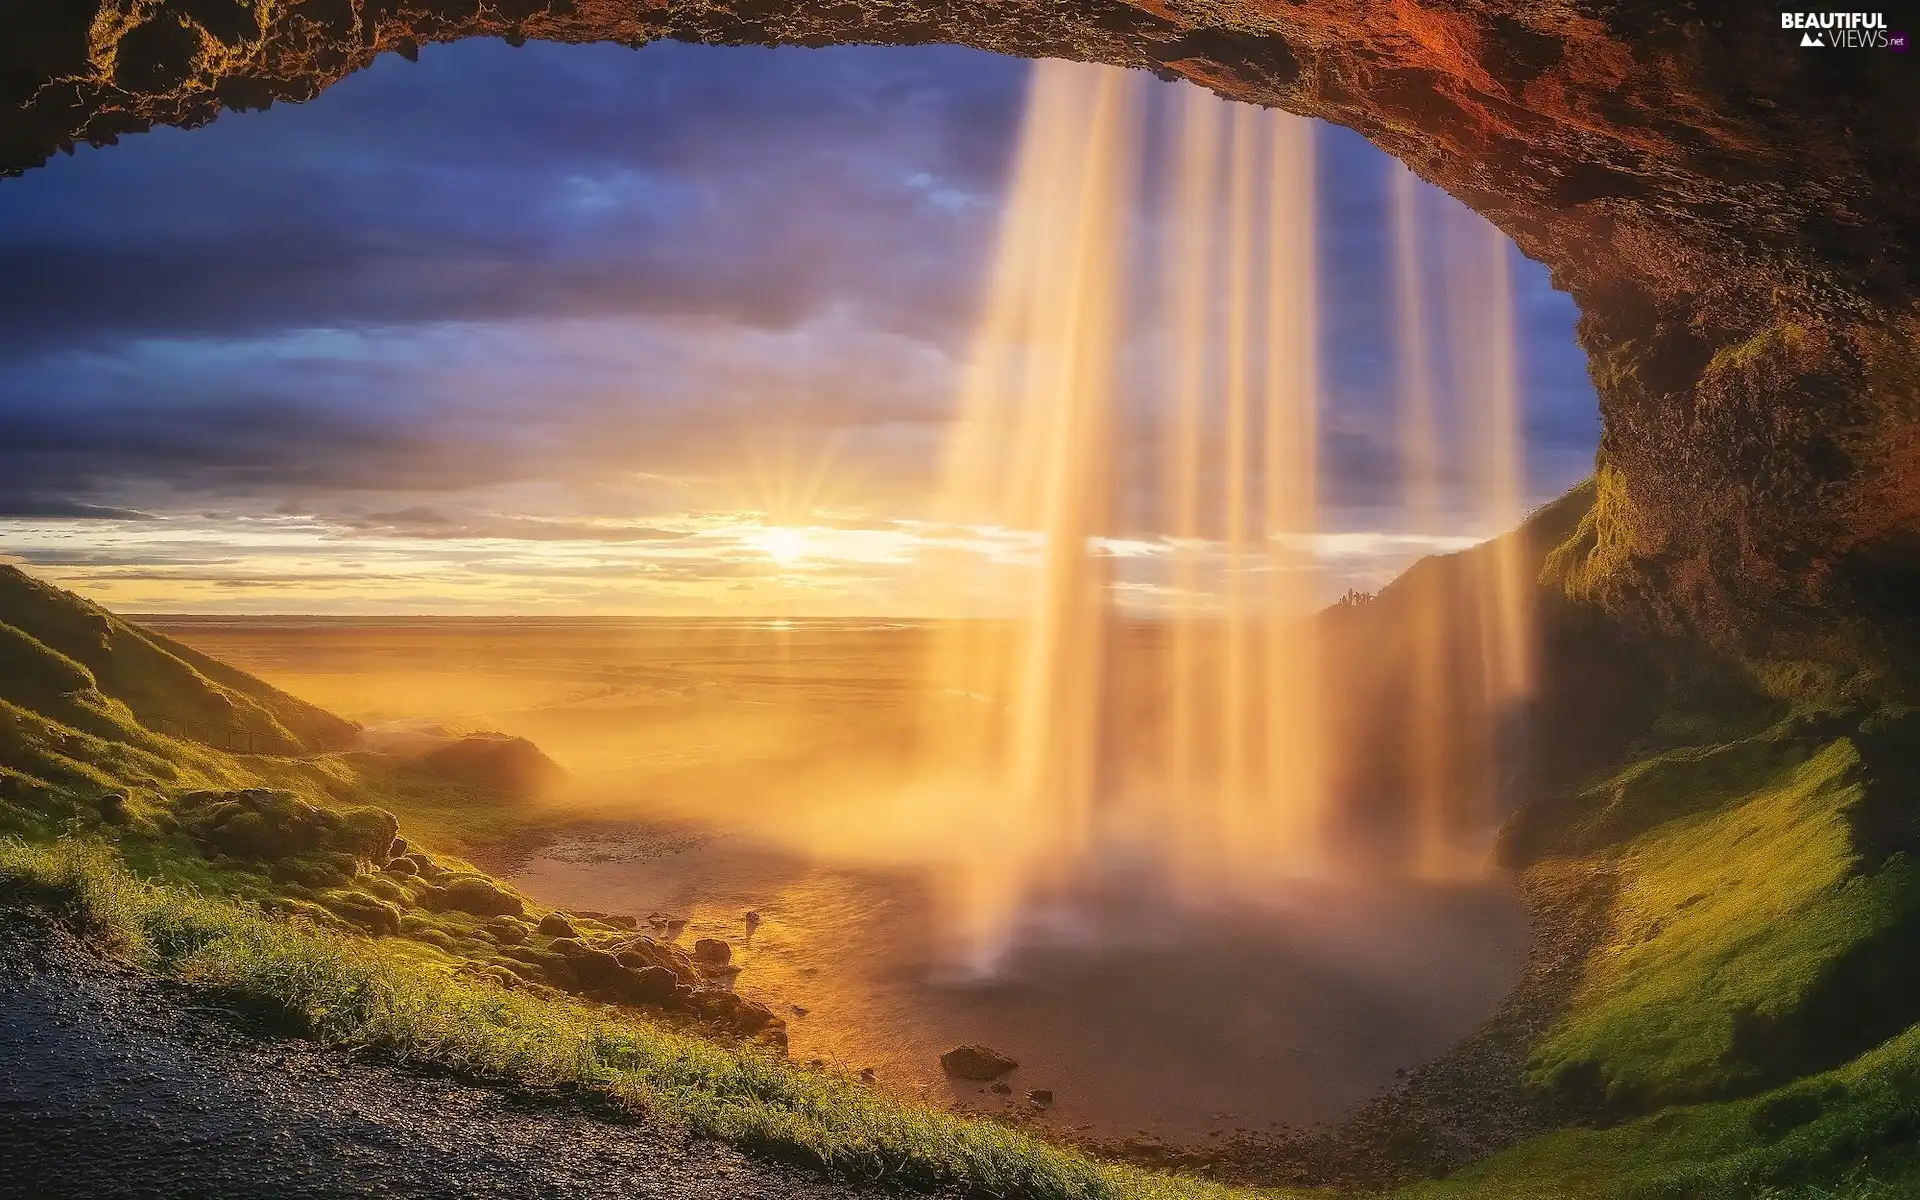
[784,546]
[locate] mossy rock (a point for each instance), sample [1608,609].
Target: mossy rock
[319,869]
[422,866]
[644,952]
[545,966]
[508,931]
[386,889]
[358,908]
[366,831]
[490,972]
[480,896]
[436,938]
[267,824]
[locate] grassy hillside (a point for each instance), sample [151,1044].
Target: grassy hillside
[45,634]
[1744,1028]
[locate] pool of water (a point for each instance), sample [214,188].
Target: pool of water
[1140,1015]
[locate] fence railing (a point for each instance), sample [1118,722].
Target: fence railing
[210,733]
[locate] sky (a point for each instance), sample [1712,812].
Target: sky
[590,330]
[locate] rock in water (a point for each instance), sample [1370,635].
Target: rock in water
[976,1062]
[713,951]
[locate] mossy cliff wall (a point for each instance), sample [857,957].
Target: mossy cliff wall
[1734,214]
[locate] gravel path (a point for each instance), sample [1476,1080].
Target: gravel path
[114,1086]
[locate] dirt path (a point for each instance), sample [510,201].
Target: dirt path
[113,1086]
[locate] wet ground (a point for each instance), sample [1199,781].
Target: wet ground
[1143,1018]
[114,1086]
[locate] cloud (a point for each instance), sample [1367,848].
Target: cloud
[492,202]
[427,522]
[512,317]
[30,505]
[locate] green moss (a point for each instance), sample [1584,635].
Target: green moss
[1590,560]
[1740,914]
[1856,1141]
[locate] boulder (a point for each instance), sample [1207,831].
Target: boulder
[113,807]
[592,966]
[508,931]
[374,916]
[318,869]
[712,952]
[480,896]
[425,867]
[556,925]
[655,985]
[644,951]
[976,1062]
[607,976]
[736,1012]
[385,888]
[269,824]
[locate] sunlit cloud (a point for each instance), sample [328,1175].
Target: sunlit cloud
[525,360]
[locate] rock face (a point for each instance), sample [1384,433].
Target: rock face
[1732,212]
[978,1063]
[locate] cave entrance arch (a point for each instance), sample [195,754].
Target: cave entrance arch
[1731,211]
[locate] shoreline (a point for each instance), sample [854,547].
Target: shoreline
[1464,1104]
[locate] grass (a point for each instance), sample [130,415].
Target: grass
[351,992]
[1748,948]
[1852,1132]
